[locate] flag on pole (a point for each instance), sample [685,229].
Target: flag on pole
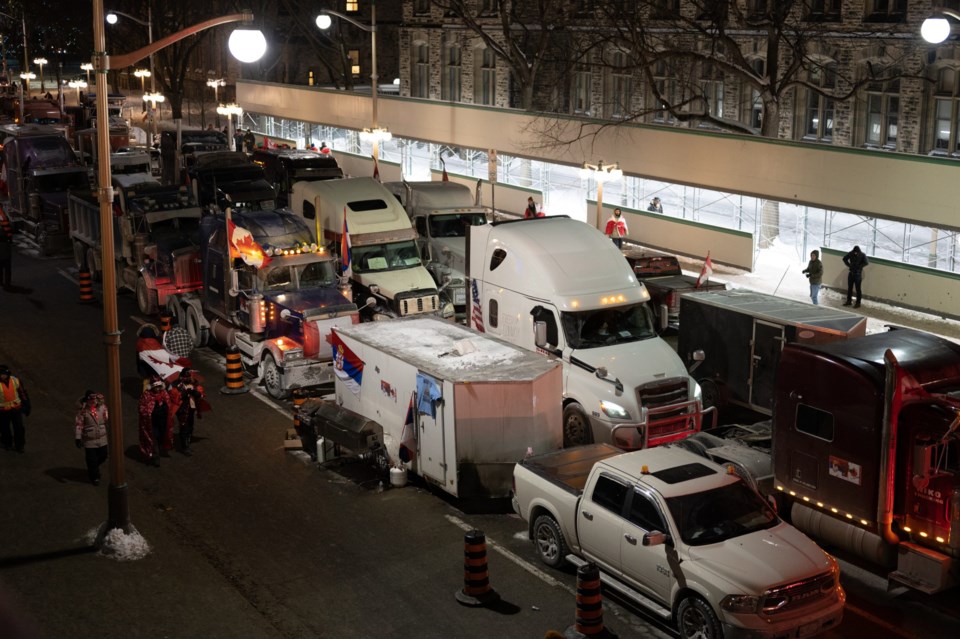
[445,178]
[242,245]
[706,271]
[346,365]
[408,436]
[346,248]
[477,308]
[376,170]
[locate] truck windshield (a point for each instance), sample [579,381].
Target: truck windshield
[454,225]
[385,257]
[717,515]
[61,182]
[292,277]
[606,326]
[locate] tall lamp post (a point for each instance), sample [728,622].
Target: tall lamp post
[143,74]
[375,135]
[26,77]
[601,173]
[246,45]
[78,85]
[215,84]
[88,67]
[41,62]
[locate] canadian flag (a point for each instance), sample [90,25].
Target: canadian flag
[706,271]
[243,245]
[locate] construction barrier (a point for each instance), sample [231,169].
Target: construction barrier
[233,383]
[589,619]
[476,589]
[86,286]
[166,321]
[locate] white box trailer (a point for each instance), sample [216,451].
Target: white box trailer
[479,404]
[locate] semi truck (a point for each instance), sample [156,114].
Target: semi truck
[268,289]
[384,261]
[156,232]
[440,212]
[440,401]
[39,168]
[561,288]
[180,149]
[682,537]
[285,167]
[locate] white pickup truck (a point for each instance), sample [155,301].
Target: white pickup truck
[681,536]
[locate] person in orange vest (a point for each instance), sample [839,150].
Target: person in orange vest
[14,406]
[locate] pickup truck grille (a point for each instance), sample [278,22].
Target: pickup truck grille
[798,595]
[419,304]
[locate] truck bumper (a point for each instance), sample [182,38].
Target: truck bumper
[826,616]
[305,373]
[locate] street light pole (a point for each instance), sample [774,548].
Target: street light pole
[112,19]
[41,62]
[601,173]
[118,510]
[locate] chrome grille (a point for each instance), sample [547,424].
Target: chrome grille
[419,305]
[663,392]
[798,595]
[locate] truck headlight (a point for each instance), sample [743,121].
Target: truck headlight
[292,354]
[614,411]
[740,603]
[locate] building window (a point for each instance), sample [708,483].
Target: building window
[421,7]
[819,108]
[354,56]
[711,89]
[352,5]
[489,7]
[665,87]
[757,8]
[665,9]
[485,88]
[450,83]
[823,11]
[885,10]
[882,113]
[946,135]
[752,114]
[620,86]
[420,71]
[582,85]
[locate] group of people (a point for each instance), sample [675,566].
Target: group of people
[855,261]
[183,402]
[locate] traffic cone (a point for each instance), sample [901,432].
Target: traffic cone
[233,383]
[476,582]
[589,620]
[86,286]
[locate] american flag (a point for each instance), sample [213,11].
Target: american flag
[477,308]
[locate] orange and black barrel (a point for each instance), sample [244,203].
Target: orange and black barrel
[476,589]
[589,619]
[86,286]
[233,383]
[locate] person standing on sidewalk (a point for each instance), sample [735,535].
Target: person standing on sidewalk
[616,228]
[14,406]
[90,432]
[188,402]
[814,273]
[156,421]
[855,260]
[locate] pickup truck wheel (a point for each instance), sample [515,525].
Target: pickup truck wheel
[697,620]
[146,299]
[576,426]
[551,548]
[272,380]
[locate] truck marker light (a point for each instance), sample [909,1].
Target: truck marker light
[820,504]
[940,539]
[806,499]
[864,522]
[645,470]
[907,529]
[834,510]
[923,534]
[780,488]
[849,516]
[793,494]
[574,304]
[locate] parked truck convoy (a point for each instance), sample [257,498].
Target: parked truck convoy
[682,537]
[39,168]
[441,212]
[384,261]
[285,167]
[220,179]
[558,287]
[268,289]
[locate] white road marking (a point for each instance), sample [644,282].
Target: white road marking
[523,563]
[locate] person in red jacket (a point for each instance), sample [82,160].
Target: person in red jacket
[616,228]
[156,421]
[188,402]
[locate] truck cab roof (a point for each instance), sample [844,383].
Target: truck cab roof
[431,194]
[370,207]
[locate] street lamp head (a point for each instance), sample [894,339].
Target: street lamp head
[216,83]
[86,66]
[112,18]
[142,73]
[29,75]
[154,98]
[324,21]
[77,84]
[40,61]
[247,45]
[935,29]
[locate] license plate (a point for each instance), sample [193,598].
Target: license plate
[459,296]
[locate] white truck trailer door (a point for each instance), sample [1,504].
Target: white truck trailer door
[432,434]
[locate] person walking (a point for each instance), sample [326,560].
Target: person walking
[655,205]
[814,273]
[188,401]
[156,421]
[14,406]
[855,260]
[616,228]
[90,432]
[531,210]
[249,141]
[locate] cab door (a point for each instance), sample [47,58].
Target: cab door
[600,520]
[648,568]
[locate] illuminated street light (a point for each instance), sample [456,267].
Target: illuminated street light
[375,134]
[41,62]
[78,85]
[601,173]
[118,513]
[26,76]
[247,45]
[936,28]
[112,19]
[88,67]
[143,74]
[155,99]
[230,110]
[215,84]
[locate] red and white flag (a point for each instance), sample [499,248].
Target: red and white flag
[706,271]
[477,312]
[408,436]
[243,245]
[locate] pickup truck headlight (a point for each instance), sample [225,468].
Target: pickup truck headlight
[614,411]
[740,603]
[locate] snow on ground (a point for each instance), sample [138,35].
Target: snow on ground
[117,544]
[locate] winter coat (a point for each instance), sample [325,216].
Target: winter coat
[855,261]
[148,401]
[814,271]
[616,227]
[91,425]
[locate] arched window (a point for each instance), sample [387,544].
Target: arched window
[420,71]
[818,108]
[450,81]
[946,114]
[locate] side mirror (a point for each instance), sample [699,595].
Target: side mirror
[287,316]
[697,356]
[540,334]
[601,372]
[370,303]
[655,538]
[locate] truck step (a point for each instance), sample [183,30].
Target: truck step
[624,589]
[923,569]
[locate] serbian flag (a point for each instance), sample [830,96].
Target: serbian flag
[346,365]
[706,271]
[346,248]
[408,436]
[376,170]
[243,245]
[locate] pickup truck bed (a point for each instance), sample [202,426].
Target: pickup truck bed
[569,468]
[665,281]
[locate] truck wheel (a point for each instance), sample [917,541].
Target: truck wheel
[272,380]
[551,548]
[195,327]
[576,426]
[95,273]
[146,299]
[697,620]
[176,311]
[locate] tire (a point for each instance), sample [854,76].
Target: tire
[697,620]
[548,541]
[710,391]
[146,299]
[195,327]
[576,426]
[176,311]
[270,375]
[95,274]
